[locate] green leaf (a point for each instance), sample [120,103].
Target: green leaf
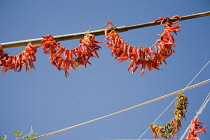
[4,138]
[32,135]
[29,136]
[17,133]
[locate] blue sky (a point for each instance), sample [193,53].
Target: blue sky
[48,101]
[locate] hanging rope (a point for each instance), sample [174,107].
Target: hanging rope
[198,113]
[97,32]
[159,98]
[175,99]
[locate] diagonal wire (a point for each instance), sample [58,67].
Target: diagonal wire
[197,75]
[175,99]
[198,113]
[150,101]
[203,105]
[157,118]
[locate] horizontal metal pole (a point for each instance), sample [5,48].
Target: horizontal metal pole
[96,32]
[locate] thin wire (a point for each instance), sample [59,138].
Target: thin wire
[197,114]
[153,100]
[203,105]
[157,118]
[175,99]
[197,74]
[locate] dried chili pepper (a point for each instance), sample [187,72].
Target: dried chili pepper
[64,59]
[195,128]
[169,131]
[73,58]
[151,57]
[26,58]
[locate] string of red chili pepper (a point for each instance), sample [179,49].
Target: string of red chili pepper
[195,128]
[151,57]
[72,57]
[26,58]
[168,131]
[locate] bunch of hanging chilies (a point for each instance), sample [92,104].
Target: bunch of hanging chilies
[151,58]
[64,59]
[170,130]
[73,58]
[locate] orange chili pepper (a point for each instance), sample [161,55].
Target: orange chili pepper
[151,57]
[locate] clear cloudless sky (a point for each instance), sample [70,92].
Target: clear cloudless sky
[48,101]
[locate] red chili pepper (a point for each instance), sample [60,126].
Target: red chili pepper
[194,130]
[151,57]
[73,58]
